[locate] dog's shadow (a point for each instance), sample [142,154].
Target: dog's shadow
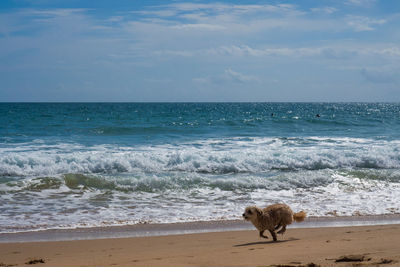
[265,242]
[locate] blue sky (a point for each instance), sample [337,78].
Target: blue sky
[320,50]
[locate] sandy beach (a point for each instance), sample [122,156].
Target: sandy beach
[368,245]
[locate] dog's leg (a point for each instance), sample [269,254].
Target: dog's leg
[262,234]
[283,230]
[278,226]
[273,235]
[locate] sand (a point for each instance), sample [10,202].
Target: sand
[377,245]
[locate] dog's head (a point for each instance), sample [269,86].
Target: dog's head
[251,213]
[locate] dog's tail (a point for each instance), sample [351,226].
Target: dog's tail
[299,216]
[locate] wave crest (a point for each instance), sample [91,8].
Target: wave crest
[209,157]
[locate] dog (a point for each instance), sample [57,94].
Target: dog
[272,218]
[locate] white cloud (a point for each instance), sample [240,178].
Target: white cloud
[16,22]
[221,14]
[359,23]
[214,8]
[391,51]
[198,26]
[190,20]
[115,19]
[245,50]
[228,76]
[334,51]
[57,12]
[361,3]
[239,77]
[327,10]
[194,6]
[156,13]
[192,24]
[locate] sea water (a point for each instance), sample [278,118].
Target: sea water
[68,165]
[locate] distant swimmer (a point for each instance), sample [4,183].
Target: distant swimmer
[317,115]
[272,114]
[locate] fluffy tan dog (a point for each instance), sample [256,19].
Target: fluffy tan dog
[272,218]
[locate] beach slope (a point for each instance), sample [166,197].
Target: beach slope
[366,245]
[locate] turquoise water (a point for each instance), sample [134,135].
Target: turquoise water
[66,165]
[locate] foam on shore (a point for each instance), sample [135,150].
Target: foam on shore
[141,230]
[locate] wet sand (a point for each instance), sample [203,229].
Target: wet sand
[140,230]
[377,245]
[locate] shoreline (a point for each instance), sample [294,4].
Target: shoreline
[167,229]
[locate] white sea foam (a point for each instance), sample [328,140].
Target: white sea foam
[233,155]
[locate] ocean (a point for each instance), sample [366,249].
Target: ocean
[70,165]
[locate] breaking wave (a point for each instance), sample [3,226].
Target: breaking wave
[223,156]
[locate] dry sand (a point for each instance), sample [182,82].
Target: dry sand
[374,245]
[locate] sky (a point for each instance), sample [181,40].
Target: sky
[199,51]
